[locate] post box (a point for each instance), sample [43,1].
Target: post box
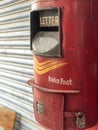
[64,40]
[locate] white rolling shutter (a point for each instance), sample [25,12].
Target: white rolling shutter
[16,64]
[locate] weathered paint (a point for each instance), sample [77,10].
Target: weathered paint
[76,69]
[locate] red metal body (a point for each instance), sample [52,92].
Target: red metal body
[65,88]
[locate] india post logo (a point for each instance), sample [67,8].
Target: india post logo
[48,65]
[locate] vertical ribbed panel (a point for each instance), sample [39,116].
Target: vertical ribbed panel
[16,64]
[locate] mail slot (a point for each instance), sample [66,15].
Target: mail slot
[45,32]
[64,42]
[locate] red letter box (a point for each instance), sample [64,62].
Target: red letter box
[64,39]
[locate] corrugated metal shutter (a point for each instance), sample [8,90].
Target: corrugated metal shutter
[16,64]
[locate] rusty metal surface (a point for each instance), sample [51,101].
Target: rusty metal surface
[76,69]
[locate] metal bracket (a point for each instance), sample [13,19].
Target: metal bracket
[80,120]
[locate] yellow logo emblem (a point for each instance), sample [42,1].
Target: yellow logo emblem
[46,66]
